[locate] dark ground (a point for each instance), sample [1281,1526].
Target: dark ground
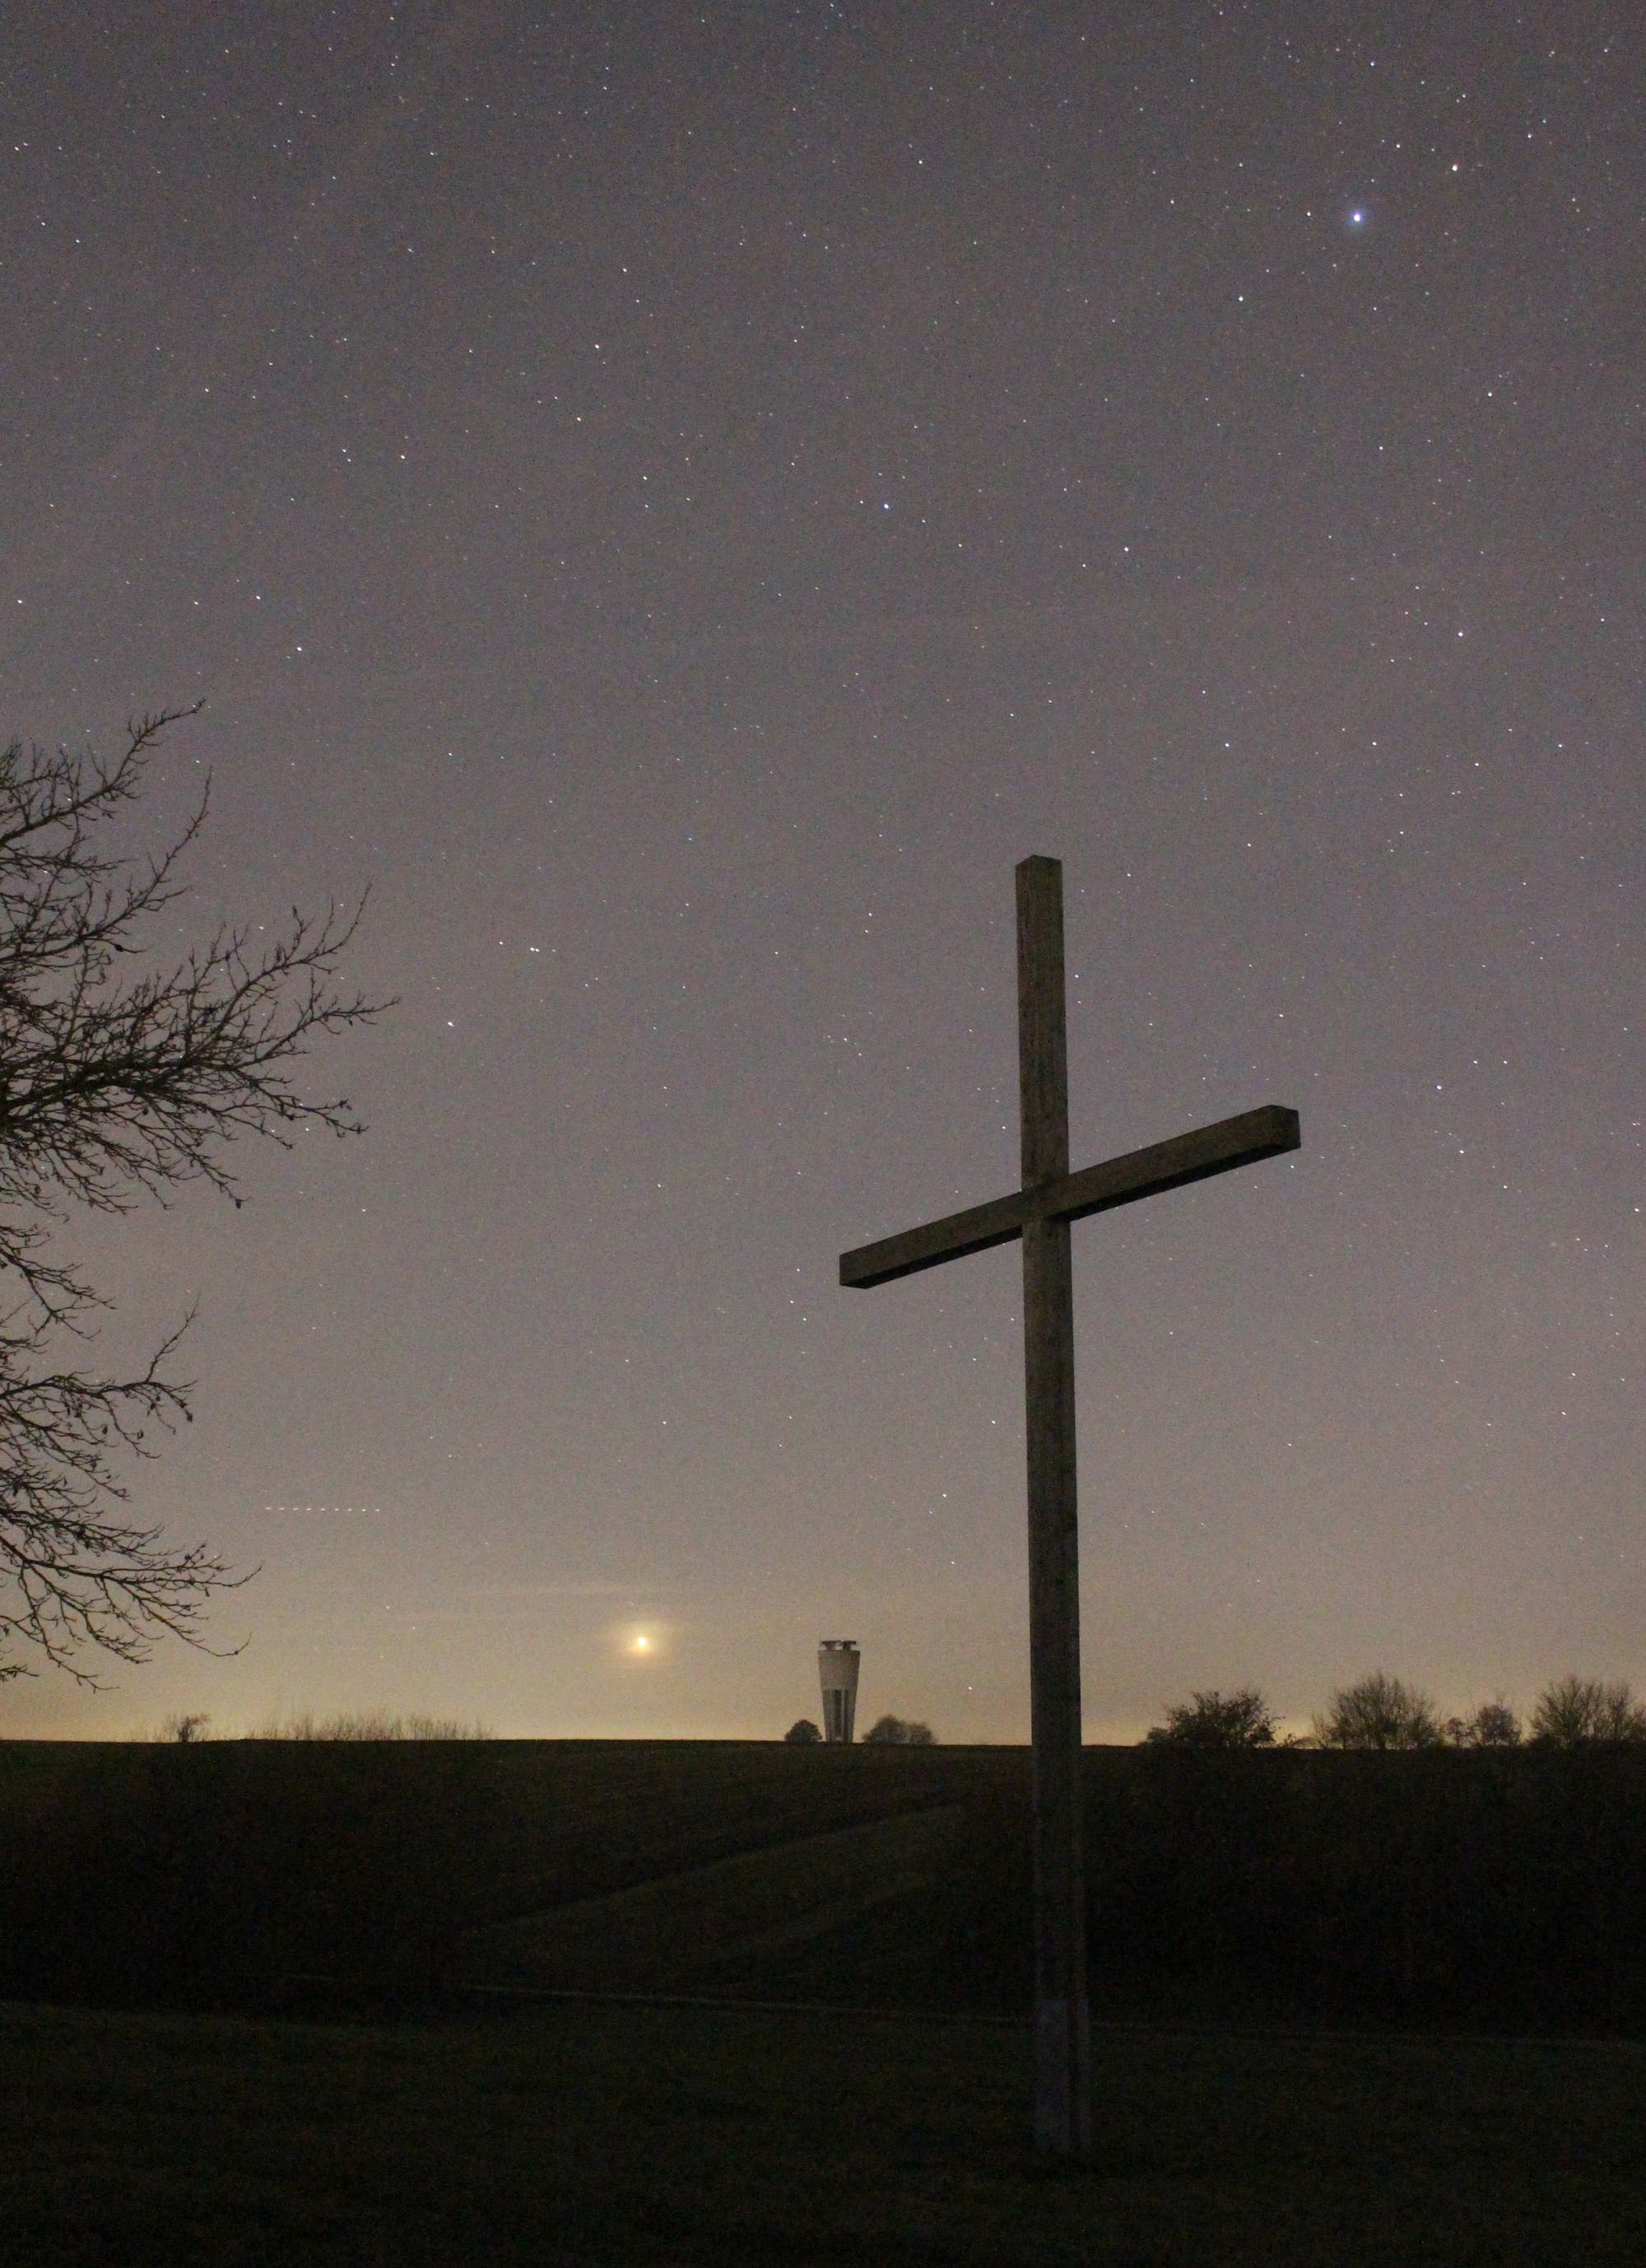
[607,2137]
[1452,1890]
[200,2102]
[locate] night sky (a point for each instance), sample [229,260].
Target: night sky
[679,501]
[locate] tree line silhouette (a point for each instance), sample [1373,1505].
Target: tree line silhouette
[1381,1712]
[1377,1712]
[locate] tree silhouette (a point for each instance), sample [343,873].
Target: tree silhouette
[1493,1726]
[1378,1712]
[1218,1720]
[186,1729]
[890,1732]
[1574,1711]
[119,1079]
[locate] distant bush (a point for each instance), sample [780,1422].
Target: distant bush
[899,1732]
[1218,1720]
[1379,1712]
[179,1728]
[802,1733]
[1493,1726]
[1574,1711]
[368,1725]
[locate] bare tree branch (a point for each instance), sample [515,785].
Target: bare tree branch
[115,1088]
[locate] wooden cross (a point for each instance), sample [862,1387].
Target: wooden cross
[1039,1213]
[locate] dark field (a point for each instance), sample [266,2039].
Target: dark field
[620,2137]
[300,2064]
[1462,1890]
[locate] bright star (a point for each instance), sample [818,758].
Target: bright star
[642,1641]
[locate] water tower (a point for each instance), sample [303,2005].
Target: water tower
[837,1671]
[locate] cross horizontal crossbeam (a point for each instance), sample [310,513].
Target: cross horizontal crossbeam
[1268,1132]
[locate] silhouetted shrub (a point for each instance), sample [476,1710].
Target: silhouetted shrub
[179,1728]
[1493,1726]
[1379,1712]
[1575,1710]
[802,1733]
[899,1732]
[1218,1720]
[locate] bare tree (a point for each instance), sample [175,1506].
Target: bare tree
[1493,1724]
[119,1080]
[1574,1711]
[1379,1712]
[186,1729]
[1218,1720]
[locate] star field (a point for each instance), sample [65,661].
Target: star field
[679,501]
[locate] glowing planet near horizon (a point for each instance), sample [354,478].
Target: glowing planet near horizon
[639,1641]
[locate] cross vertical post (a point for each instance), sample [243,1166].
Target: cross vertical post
[1040,1213]
[1062,2039]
